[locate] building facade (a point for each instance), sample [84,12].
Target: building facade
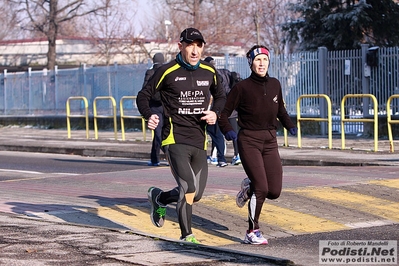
[79,51]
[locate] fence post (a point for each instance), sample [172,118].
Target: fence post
[30,89]
[83,78]
[116,82]
[322,69]
[5,90]
[365,82]
[226,60]
[44,87]
[54,79]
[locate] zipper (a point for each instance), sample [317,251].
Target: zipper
[264,89]
[192,80]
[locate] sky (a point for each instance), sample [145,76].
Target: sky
[143,13]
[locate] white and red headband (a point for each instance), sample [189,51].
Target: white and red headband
[255,52]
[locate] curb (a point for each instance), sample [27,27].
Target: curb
[106,152]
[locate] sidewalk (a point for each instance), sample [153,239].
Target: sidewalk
[314,151]
[28,238]
[25,240]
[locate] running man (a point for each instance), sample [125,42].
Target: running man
[186,85]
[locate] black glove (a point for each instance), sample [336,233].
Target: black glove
[293,131]
[231,135]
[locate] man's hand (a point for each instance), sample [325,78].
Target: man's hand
[153,121]
[210,117]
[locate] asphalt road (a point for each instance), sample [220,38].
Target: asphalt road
[318,202]
[58,163]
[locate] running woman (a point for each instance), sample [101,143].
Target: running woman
[259,103]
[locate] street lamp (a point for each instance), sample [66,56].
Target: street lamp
[167,24]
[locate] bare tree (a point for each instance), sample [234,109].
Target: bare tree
[8,22]
[272,15]
[76,27]
[221,21]
[190,8]
[112,28]
[227,22]
[46,16]
[262,21]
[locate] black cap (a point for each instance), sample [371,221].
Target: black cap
[190,34]
[208,59]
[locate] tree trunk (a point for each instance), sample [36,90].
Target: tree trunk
[51,53]
[196,13]
[52,35]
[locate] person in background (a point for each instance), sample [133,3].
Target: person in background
[234,79]
[259,103]
[229,79]
[218,141]
[156,108]
[186,86]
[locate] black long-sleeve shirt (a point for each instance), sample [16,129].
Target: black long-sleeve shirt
[259,102]
[185,94]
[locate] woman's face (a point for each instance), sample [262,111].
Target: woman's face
[260,65]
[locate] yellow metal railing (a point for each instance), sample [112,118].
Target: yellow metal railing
[110,98]
[374,120]
[123,117]
[328,119]
[390,121]
[285,137]
[285,131]
[68,114]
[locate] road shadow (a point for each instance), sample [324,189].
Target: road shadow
[63,213]
[198,222]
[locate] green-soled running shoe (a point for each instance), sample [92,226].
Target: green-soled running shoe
[158,211]
[190,238]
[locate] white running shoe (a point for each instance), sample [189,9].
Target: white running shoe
[222,164]
[255,237]
[212,160]
[242,196]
